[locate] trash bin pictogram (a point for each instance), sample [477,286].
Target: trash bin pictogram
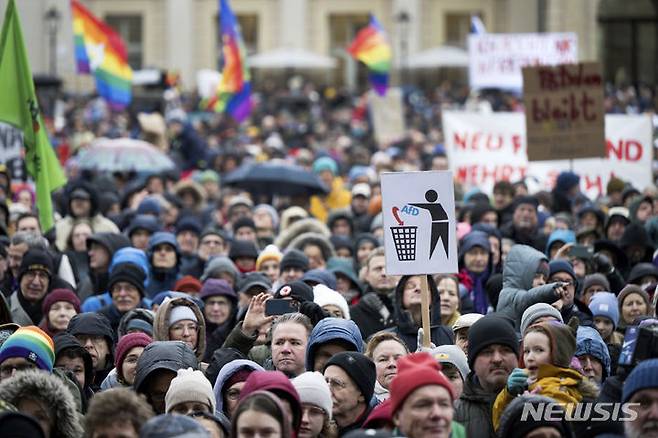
[405,242]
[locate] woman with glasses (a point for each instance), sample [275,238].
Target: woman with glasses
[180,319]
[316,401]
[229,383]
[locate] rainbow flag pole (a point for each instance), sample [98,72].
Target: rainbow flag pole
[371,47]
[100,51]
[233,94]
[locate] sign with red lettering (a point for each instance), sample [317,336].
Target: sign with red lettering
[564,111]
[485,148]
[496,60]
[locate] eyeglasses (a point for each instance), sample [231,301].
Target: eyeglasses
[182,327]
[7,371]
[312,411]
[40,275]
[336,384]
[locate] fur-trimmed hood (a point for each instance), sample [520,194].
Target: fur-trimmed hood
[308,225]
[161,322]
[52,392]
[318,239]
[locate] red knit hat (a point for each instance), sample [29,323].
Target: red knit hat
[414,371]
[127,343]
[188,284]
[60,295]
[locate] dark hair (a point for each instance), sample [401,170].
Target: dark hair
[117,405]
[505,187]
[25,215]
[267,403]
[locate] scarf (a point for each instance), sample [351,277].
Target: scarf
[477,291]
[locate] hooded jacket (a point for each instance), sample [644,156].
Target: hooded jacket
[98,222]
[588,341]
[329,330]
[302,226]
[53,395]
[97,282]
[475,283]
[474,408]
[225,374]
[97,325]
[64,341]
[317,239]
[143,314]
[162,278]
[406,328]
[517,293]
[159,355]
[161,323]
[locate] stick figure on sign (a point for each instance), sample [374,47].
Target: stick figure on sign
[440,224]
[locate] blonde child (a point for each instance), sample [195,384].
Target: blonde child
[547,351]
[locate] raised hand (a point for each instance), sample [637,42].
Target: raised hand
[255,317]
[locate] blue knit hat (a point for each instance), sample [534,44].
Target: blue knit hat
[589,341]
[605,304]
[561,266]
[643,376]
[325,163]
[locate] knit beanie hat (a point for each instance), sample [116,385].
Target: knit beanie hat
[589,341]
[452,355]
[181,313]
[7,330]
[314,390]
[536,311]
[36,260]
[561,266]
[415,371]
[188,284]
[189,386]
[244,222]
[605,304]
[31,343]
[127,343]
[243,248]
[218,265]
[489,330]
[214,287]
[60,295]
[129,273]
[294,258]
[633,289]
[360,369]
[562,340]
[298,290]
[325,163]
[596,279]
[271,252]
[324,296]
[643,376]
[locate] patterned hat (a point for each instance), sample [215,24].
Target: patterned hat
[31,343]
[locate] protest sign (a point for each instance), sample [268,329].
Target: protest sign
[485,148]
[564,111]
[11,150]
[495,60]
[387,115]
[419,222]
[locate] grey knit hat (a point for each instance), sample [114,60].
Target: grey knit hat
[536,311]
[453,355]
[217,265]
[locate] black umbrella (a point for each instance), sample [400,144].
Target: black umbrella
[275,179]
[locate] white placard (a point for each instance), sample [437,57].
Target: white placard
[387,115]
[419,222]
[485,148]
[495,60]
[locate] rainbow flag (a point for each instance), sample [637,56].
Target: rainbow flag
[371,47]
[100,51]
[233,94]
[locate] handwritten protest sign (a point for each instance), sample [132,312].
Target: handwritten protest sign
[564,111]
[496,60]
[387,115]
[485,148]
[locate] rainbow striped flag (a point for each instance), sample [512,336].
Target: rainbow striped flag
[371,47]
[100,51]
[233,94]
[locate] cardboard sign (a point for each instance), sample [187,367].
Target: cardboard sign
[419,222]
[387,115]
[485,148]
[496,60]
[564,111]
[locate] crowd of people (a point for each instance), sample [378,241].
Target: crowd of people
[170,304]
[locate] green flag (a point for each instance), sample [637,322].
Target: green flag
[19,107]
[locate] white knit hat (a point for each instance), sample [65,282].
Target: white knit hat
[323,295]
[314,390]
[181,313]
[189,386]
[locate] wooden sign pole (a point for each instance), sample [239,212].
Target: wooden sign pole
[425,311]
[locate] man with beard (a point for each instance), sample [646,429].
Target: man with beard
[493,349]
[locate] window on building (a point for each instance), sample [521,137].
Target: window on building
[342,30]
[130,28]
[458,26]
[248,29]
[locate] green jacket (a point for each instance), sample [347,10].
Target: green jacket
[474,409]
